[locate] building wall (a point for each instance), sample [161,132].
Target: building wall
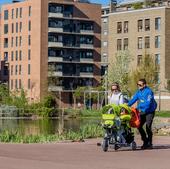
[132,17]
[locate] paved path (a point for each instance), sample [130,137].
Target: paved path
[83,156]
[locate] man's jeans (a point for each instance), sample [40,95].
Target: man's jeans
[148,119]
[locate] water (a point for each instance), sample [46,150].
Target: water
[43,126]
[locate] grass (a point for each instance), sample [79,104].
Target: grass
[163,114]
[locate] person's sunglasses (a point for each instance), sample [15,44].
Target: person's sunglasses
[140,85]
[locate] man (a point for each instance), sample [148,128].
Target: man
[146,106]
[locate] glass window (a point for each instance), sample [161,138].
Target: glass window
[12,42]
[20,27]
[5,28]
[104,20]
[29,13]
[20,55]
[16,12]
[140,42]
[12,56]
[147,24]
[5,42]
[119,27]
[29,84]
[105,32]
[126,27]
[157,23]
[125,43]
[16,55]
[119,44]
[139,60]
[20,69]
[157,59]
[29,26]
[17,27]
[20,84]
[5,14]
[105,44]
[12,67]
[29,54]
[16,69]
[29,40]
[20,41]
[157,41]
[12,84]
[20,13]
[16,42]
[29,69]
[6,56]
[147,42]
[16,84]
[140,25]
[12,13]
[12,28]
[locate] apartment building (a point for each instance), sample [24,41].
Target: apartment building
[51,45]
[144,29]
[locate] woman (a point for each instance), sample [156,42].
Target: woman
[116,97]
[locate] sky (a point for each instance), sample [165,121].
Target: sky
[103,2]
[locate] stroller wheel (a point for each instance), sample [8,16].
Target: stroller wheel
[116,146]
[133,145]
[105,144]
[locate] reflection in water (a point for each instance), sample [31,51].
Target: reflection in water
[43,126]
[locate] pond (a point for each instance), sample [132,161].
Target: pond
[43,126]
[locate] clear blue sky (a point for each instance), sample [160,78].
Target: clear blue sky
[104,2]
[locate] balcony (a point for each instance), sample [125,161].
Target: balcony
[55,44]
[87,74]
[86,46]
[55,88]
[56,30]
[55,59]
[55,73]
[86,60]
[55,15]
[85,32]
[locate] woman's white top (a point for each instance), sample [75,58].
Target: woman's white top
[116,98]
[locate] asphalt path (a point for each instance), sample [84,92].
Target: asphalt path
[84,155]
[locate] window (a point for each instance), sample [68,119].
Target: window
[140,25]
[105,32]
[29,84]
[20,69]
[20,84]
[5,42]
[157,41]
[5,28]
[5,14]
[20,27]
[16,84]
[29,12]
[140,42]
[20,13]
[29,26]
[147,42]
[12,28]
[119,44]
[6,56]
[157,61]
[17,27]
[12,42]
[12,69]
[16,12]
[12,13]
[12,56]
[16,69]
[20,41]
[12,84]
[139,60]
[29,40]
[105,44]
[29,69]
[119,27]
[29,54]
[147,24]
[16,42]
[125,44]
[126,27]
[157,23]
[16,55]
[20,55]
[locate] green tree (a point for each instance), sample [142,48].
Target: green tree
[146,69]
[119,70]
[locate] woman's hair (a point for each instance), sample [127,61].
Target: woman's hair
[117,85]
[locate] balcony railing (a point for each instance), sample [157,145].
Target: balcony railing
[86,60]
[55,59]
[55,15]
[55,29]
[86,74]
[55,44]
[55,88]
[90,32]
[84,46]
[55,73]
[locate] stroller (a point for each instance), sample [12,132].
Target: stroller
[117,121]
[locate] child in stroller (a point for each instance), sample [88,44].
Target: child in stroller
[116,122]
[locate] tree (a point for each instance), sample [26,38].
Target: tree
[146,69]
[119,70]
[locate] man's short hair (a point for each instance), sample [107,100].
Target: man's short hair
[143,81]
